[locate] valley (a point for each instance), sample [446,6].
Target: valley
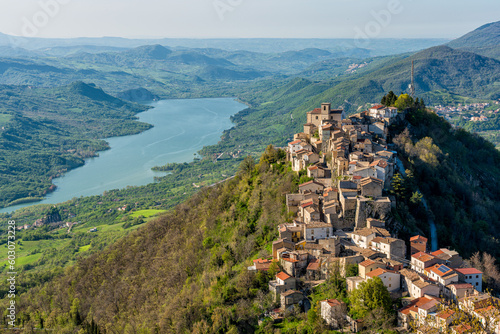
[206,203]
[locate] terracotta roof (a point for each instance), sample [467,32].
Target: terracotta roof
[368,180]
[445,314]
[438,252]
[378,106]
[308,203]
[364,232]
[378,239]
[418,238]
[315,111]
[367,263]
[310,182]
[376,272]
[313,167]
[314,265]
[461,285]
[289,260]
[411,274]
[290,292]
[332,302]
[283,276]
[463,328]
[430,304]
[375,163]
[357,177]
[382,164]
[441,270]
[295,142]
[424,257]
[420,283]
[468,271]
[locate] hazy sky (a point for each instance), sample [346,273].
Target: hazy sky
[246,18]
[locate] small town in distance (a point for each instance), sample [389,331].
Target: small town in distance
[339,227]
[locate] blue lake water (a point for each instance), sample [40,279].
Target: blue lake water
[181,128]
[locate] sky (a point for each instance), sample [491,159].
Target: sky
[246,18]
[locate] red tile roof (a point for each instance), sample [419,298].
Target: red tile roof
[283,276]
[418,238]
[376,272]
[438,252]
[314,265]
[461,285]
[333,302]
[445,314]
[378,106]
[440,269]
[316,111]
[469,271]
[295,142]
[367,263]
[424,257]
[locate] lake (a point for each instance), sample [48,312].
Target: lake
[181,128]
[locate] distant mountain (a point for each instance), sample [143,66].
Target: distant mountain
[485,40]
[218,72]
[156,52]
[485,36]
[439,68]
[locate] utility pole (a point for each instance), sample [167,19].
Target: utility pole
[412,84]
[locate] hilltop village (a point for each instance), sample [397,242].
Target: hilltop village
[341,220]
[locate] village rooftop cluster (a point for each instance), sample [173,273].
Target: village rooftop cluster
[340,219]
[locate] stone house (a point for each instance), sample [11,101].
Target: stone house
[418,244]
[333,312]
[316,172]
[325,113]
[316,230]
[456,291]
[282,283]
[371,186]
[442,274]
[290,298]
[312,186]
[363,237]
[368,266]
[421,260]
[472,276]
[452,258]
[392,247]
[391,280]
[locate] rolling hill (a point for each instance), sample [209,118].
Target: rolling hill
[485,40]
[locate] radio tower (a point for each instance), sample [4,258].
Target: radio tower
[412,85]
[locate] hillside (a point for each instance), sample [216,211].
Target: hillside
[46,131]
[195,257]
[485,40]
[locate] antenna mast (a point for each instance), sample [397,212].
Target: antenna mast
[412,85]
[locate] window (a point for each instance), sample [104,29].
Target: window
[316,117]
[477,276]
[389,285]
[477,283]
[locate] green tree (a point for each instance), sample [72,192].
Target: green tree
[369,296]
[398,186]
[403,102]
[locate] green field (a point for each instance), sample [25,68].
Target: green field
[146,213]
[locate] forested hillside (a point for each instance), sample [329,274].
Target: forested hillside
[46,131]
[184,272]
